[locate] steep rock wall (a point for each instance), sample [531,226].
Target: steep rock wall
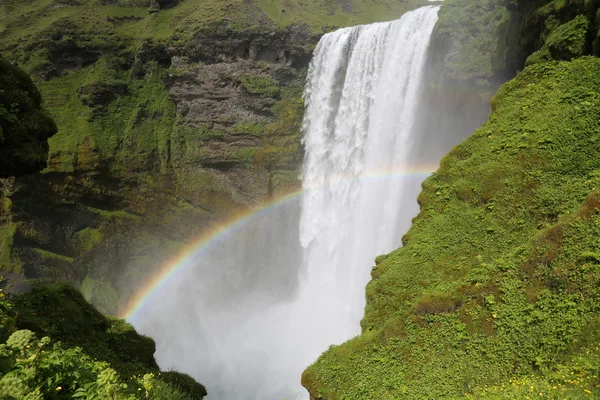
[156,144]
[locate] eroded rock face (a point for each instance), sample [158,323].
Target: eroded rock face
[291,46]
[24,126]
[229,89]
[227,139]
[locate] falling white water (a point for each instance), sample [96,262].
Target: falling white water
[361,100]
[258,306]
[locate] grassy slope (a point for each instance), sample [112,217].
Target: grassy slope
[499,275]
[75,327]
[32,16]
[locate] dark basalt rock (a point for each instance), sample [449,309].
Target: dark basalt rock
[24,127]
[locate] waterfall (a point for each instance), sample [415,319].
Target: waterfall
[262,303]
[361,100]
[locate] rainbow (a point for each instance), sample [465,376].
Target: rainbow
[189,253]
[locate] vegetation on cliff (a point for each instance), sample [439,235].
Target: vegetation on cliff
[497,281]
[487,41]
[494,293]
[56,345]
[24,126]
[143,143]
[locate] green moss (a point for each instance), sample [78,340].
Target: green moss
[7,261]
[261,85]
[50,256]
[247,128]
[118,214]
[89,238]
[568,40]
[71,116]
[499,286]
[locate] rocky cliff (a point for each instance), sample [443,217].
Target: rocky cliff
[171,115]
[24,126]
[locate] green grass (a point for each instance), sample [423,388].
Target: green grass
[260,85]
[50,256]
[498,276]
[7,262]
[89,238]
[23,18]
[333,13]
[71,117]
[118,214]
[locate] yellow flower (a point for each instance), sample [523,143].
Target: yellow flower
[58,388]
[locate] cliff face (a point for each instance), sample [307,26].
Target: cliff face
[149,160]
[24,127]
[494,293]
[169,121]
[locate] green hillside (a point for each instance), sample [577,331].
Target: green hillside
[494,293]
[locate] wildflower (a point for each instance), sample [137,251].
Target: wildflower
[58,388]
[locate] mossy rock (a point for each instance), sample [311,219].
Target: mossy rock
[569,40]
[61,312]
[24,126]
